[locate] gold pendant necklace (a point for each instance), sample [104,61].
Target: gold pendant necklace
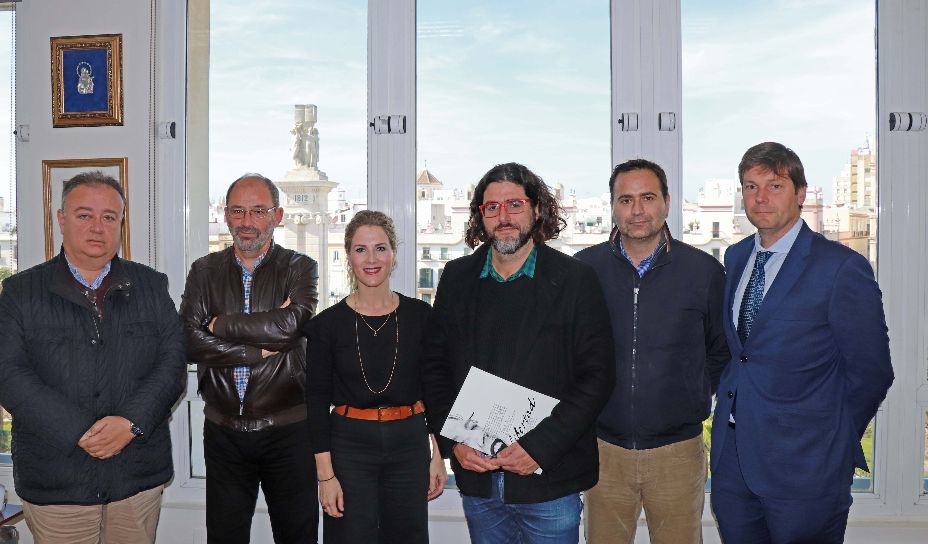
[373,330]
[357,343]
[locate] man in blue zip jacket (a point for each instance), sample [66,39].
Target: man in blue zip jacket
[665,304]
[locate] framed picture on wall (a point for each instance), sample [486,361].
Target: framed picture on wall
[56,172]
[87,80]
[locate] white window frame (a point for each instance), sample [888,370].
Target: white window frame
[902,77]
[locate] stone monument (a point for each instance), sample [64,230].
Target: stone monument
[305,197]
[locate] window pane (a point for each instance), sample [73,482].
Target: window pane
[802,74]
[8,251]
[288,100]
[515,81]
[810,85]
[863,480]
[196,420]
[519,81]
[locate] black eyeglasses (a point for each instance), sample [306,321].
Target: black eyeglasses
[257,213]
[513,206]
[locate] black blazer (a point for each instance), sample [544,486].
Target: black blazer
[564,349]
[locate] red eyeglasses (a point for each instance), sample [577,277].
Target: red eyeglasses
[513,206]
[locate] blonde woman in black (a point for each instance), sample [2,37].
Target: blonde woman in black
[376,473]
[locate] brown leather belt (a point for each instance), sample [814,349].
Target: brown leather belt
[390,413]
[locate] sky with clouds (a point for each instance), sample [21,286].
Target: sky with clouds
[529,81]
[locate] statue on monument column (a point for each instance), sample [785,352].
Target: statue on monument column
[312,148]
[305,137]
[299,132]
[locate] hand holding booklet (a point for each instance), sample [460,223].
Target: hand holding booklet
[491,413]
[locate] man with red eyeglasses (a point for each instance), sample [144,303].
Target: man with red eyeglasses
[529,314]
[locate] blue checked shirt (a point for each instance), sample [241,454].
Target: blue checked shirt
[242,373]
[527,268]
[645,263]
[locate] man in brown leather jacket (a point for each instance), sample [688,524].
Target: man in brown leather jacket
[243,308]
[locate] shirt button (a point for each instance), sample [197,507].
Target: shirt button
[731,395]
[744,359]
[93,341]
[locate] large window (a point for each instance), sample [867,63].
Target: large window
[530,82]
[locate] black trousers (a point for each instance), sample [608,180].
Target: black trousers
[383,468]
[280,459]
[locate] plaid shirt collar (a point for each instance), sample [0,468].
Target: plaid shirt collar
[645,263]
[246,278]
[527,269]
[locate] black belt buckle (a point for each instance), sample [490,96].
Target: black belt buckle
[243,425]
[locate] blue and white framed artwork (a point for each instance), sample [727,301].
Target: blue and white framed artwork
[87,80]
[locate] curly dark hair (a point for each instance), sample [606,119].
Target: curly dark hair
[549,222]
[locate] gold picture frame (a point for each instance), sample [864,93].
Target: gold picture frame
[87,80]
[56,172]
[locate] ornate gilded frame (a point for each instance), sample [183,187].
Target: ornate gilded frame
[74,103]
[55,172]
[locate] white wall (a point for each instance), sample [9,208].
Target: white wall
[33,107]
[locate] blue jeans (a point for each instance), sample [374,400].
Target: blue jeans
[492,521]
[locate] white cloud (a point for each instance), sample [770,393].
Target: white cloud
[802,74]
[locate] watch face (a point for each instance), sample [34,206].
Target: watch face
[135,429]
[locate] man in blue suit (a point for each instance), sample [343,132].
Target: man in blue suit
[810,365]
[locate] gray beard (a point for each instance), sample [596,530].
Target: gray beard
[252,245]
[508,247]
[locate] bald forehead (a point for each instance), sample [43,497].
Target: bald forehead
[253,187]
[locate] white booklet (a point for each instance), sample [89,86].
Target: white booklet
[490,413]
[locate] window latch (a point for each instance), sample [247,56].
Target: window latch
[389,124]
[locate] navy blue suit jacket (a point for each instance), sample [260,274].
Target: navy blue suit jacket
[811,375]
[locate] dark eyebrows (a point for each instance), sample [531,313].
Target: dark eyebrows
[629,195]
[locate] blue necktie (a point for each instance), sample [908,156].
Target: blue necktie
[753,296]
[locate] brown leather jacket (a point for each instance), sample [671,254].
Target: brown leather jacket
[274,395]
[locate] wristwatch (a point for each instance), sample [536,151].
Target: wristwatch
[136,430]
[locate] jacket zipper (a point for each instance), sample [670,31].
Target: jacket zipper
[635,290]
[97,316]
